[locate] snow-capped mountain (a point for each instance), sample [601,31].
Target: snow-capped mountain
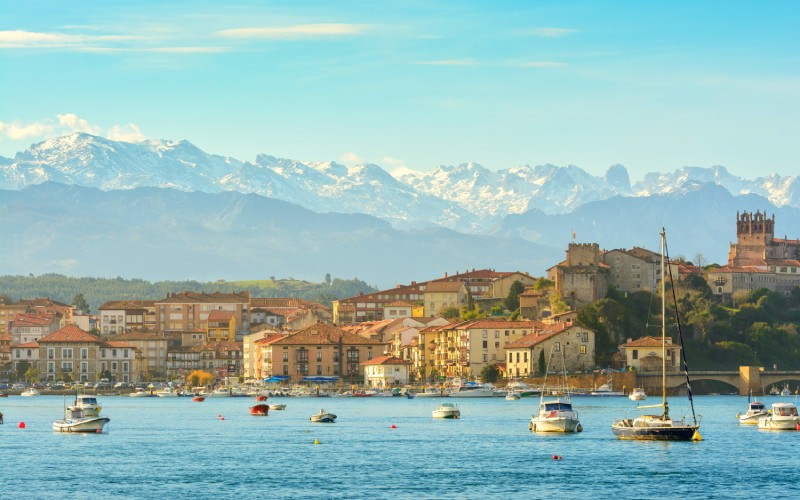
[467,197]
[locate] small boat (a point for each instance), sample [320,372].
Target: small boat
[474,390]
[555,415]
[261,397]
[784,418]
[774,391]
[198,399]
[512,396]
[139,393]
[606,390]
[30,391]
[81,416]
[447,410]
[637,394]
[323,417]
[277,407]
[220,392]
[409,395]
[433,392]
[167,392]
[259,410]
[755,411]
[786,391]
[521,388]
[362,394]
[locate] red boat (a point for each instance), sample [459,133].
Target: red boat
[261,398]
[260,410]
[198,399]
[362,394]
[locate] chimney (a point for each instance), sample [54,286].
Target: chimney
[413,283]
[629,340]
[445,274]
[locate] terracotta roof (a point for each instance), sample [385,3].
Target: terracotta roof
[115,345]
[283,303]
[42,302]
[26,345]
[496,323]
[270,339]
[539,336]
[399,303]
[128,304]
[134,335]
[323,333]
[70,333]
[392,294]
[346,308]
[217,315]
[531,293]
[648,342]
[226,346]
[386,360]
[443,286]
[33,319]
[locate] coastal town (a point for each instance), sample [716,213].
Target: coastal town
[466,325]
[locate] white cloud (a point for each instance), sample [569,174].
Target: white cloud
[550,32]
[67,123]
[294,32]
[17,131]
[20,39]
[126,133]
[448,62]
[350,158]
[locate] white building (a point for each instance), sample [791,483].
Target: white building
[386,371]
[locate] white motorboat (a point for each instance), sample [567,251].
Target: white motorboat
[755,410]
[87,404]
[81,416]
[30,391]
[555,415]
[784,418]
[637,394]
[323,417]
[786,391]
[433,392]
[279,406]
[522,389]
[512,396]
[220,392]
[138,393]
[447,410]
[606,390]
[167,392]
[473,390]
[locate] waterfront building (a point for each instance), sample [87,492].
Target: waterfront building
[220,326]
[73,354]
[182,360]
[644,354]
[193,337]
[120,316]
[565,344]
[27,354]
[9,311]
[582,277]
[151,348]
[386,371]
[250,351]
[189,311]
[33,326]
[46,305]
[296,313]
[442,294]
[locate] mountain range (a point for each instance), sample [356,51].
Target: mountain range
[167,209]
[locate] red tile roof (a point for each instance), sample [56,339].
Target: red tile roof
[399,303]
[134,335]
[648,342]
[27,345]
[386,360]
[217,315]
[128,304]
[496,323]
[539,336]
[322,334]
[273,303]
[115,345]
[34,319]
[270,339]
[70,333]
[208,298]
[443,286]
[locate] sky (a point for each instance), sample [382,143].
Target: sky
[414,85]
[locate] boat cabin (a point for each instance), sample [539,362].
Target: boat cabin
[784,410]
[757,406]
[87,400]
[557,406]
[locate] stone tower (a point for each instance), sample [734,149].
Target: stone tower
[754,238]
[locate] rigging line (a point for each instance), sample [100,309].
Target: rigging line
[680,335]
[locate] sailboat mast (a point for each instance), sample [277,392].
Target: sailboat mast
[663,325]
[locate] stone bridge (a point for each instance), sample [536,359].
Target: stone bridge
[754,378]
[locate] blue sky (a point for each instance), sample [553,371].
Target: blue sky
[653,86]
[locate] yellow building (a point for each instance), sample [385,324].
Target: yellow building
[564,343]
[442,294]
[221,326]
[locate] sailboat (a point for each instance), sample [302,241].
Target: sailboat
[662,427]
[556,415]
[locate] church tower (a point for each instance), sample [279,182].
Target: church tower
[754,236]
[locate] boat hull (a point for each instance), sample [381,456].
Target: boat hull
[751,419]
[555,424]
[95,425]
[451,414]
[676,433]
[277,407]
[259,410]
[778,424]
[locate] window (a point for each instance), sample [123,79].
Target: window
[66,366]
[335,369]
[84,353]
[84,367]
[485,344]
[286,355]
[511,357]
[113,353]
[485,334]
[557,347]
[319,355]
[114,366]
[125,353]
[125,366]
[585,336]
[635,354]
[525,356]
[485,358]
[66,353]
[335,356]
[286,369]
[517,357]
[583,349]
[369,355]
[51,353]
[319,369]
[497,334]
[51,367]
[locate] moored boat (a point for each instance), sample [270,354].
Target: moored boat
[786,391]
[198,399]
[755,410]
[139,393]
[606,390]
[473,390]
[30,391]
[279,406]
[637,394]
[167,392]
[433,392]
[447,410]
[323,417]
[555,415]
[512,396]
[81,416]
[259,410]
[784,418]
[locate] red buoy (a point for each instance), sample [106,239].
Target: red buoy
[223,418]
[394,426]
[22,425]
[555,457]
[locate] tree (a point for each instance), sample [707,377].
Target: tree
[557,304]
[31,374]
[449,313]
[80,303]
[199,378]
[700,260]
[328,278]
[490,373]
[512,300]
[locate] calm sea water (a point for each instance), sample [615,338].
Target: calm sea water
[175,448]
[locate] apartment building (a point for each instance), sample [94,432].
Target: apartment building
[189,310]
[561,345]
[73,354]
[119,316]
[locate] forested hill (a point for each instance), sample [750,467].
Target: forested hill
[96,291]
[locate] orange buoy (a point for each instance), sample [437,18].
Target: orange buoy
[21,425]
